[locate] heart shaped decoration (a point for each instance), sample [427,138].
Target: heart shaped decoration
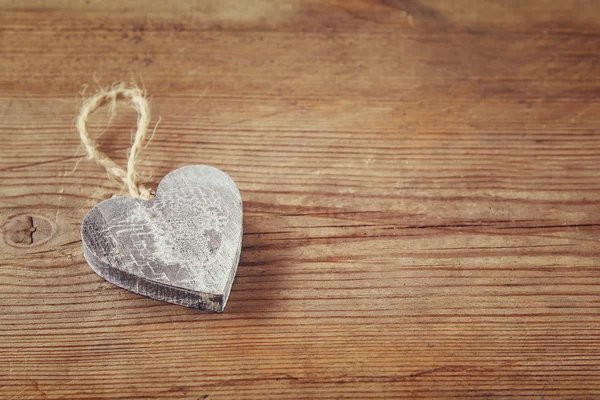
[182,247]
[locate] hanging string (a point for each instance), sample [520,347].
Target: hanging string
[136,98]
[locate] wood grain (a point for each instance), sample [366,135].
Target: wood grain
[420,187]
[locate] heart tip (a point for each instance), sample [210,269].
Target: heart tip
[213,303]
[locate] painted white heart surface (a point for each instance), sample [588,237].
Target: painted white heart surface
[182,247]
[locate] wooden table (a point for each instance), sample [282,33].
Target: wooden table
[421,195]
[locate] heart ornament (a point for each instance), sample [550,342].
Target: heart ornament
[182,247]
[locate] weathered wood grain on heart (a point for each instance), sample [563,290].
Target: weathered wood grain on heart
[421,198]
[182,247]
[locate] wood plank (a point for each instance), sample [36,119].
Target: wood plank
[420,195]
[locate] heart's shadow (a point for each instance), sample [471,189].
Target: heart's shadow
[258,284]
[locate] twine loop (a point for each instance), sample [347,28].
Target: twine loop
[136,98]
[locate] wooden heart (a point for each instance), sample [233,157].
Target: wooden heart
[183,247]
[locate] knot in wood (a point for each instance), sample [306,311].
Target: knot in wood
[27,230]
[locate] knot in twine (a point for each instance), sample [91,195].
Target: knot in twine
[136,98]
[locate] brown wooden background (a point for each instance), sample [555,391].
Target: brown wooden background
[420,184]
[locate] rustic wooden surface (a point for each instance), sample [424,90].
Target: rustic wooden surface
[420,184]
